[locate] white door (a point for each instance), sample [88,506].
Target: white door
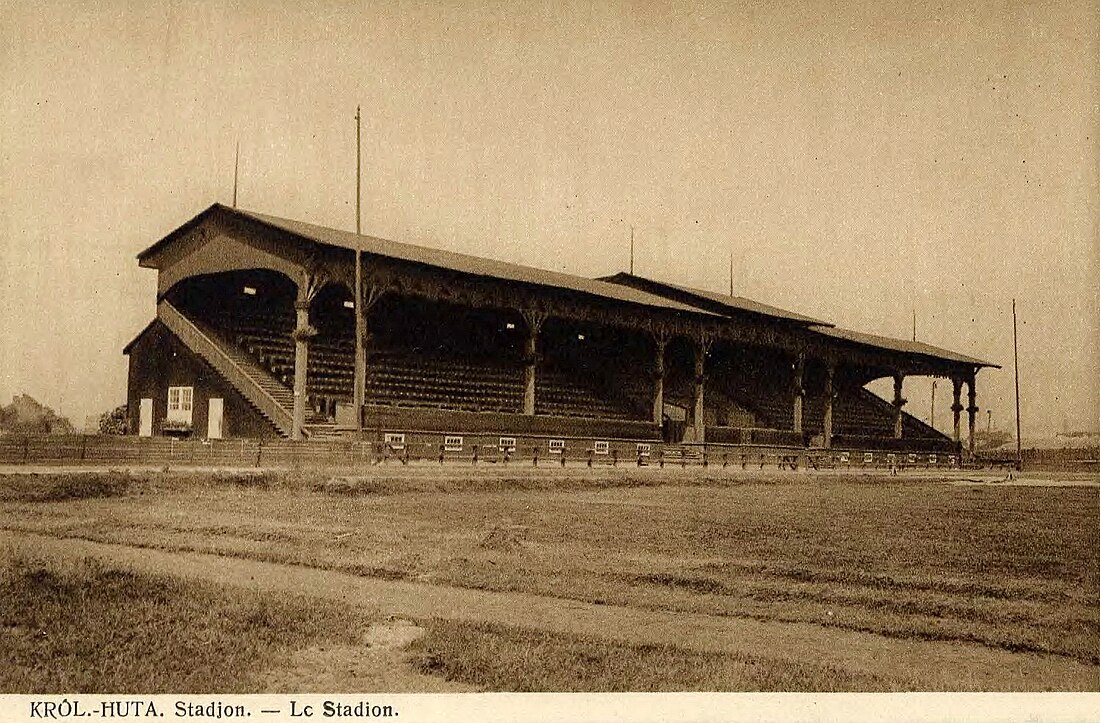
[214,419]
[145,418]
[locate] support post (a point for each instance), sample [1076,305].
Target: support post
[971,412]
[661,341]
[365,300]
[359,388]
[799,391]
[362,359]
[827,423]
[534,320]
[698,416]
[303,332]
[956,407]
[899,402]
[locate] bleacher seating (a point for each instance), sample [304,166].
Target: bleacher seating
[855,412]
[402,377]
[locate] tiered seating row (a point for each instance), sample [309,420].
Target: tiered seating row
[396,378]
[853,412]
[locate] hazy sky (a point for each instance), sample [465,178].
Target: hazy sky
[860,159]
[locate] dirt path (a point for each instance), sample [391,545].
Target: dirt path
[929,664]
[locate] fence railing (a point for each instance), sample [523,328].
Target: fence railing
[108,450]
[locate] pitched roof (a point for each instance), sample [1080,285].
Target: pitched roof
[715,302]
[126,349]
[620,287]
[439,258]
[900,345]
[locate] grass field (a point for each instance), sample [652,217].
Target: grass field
[1009,568]
[88,628]
[494,657]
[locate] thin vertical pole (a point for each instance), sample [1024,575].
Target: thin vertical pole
[360,381]
[236,167]
[358,177]
[631,250]
[914,324]
[932,414]
[731,273]
[1016,367]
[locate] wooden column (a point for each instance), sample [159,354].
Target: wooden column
[534,320]
[303,332]
[698,416]
[956,407]
[364,301]
[359,389]
[971,412]
[799,391]
[661,341]
[899,402]
[359,380]
[827,424]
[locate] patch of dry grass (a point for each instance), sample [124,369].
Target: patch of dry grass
[498,658]
[87,628]
[63,487]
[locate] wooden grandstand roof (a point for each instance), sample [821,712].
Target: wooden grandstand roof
[719,303]
[900,345]
[620,287]
[437,258]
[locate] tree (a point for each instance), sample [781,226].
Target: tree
[26,416]
[114,421]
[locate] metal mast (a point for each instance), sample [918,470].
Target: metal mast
[1016,368]
[359,392]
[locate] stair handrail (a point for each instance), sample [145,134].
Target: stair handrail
[193,336]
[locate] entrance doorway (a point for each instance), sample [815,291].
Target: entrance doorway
[214,413]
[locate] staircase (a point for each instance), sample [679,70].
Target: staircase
[271,398]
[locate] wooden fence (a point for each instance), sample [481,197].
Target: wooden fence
[107,450]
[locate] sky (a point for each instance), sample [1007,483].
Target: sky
[861,160]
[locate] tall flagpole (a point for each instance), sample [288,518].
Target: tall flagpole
[360,389]
[731,273]
[1016,368]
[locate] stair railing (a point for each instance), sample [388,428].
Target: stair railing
[200,343]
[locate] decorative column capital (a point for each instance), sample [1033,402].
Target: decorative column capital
[534,319]
[304,333]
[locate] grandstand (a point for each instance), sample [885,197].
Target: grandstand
[254,336]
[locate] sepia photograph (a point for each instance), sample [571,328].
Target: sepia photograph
[375,359]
